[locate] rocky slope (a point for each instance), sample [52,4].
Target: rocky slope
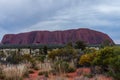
[57,37]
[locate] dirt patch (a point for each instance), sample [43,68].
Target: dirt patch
[78,75]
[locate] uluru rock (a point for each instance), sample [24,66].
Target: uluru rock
[57,37]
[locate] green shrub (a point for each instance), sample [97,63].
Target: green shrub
[14,72]
[116,76]
[2,76]
[26,57]
[108,59]
[26,74]
[65,54]
[62,66]
[40,73]
[70,69]
[45,73]
[31,71]
[88,75]
[41,58]
[53,72]
[80,45]
[14,58]
[36,68]
[33,63]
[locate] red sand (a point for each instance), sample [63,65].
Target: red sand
[71,76]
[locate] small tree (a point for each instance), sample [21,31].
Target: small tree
[85,60]
[63,67]
[41,58]
[14,58]
[69,44]
[80,45]
[66,54]
[45,49]
[2,54]
[26,57]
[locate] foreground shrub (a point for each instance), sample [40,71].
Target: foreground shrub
[31,71]
[14,58]
[2,77]
[88,75]
[36,68]
[114,67]
[62,66]
[41,58]
[66,54]
[71,69]
[53,72]
[86,59]
[108,59]
[14,72]
[45,73]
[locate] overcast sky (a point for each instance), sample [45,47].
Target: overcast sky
[27,15]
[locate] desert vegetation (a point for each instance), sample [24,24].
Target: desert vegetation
[71,62]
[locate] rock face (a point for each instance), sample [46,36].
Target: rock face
[57,37]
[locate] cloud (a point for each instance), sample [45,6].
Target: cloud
[46,25]
[21,13]
[108,9]
[117,41]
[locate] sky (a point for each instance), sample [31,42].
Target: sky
[18,16]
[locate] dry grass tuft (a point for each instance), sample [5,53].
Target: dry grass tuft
[14,72]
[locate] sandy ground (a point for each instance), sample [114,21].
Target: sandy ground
[68,76]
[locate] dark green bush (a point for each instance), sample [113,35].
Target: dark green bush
[70,69]
[45,73]
[36,68]
[31,71]
[108,59]
[26,74]
[2,77]
[88,75]
[53,72]
[41,58]
[14,58]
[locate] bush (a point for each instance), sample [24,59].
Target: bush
[114,67]
[31,71]
[2,76]
[88,75]
[116,76]
[36,68]
[61,66]
[26,57]
[70,69]
[41,58]
[80,45]
[45,73]
[14,58]
[108,59]
[65,54]
[33,63]
[17,72]
[86,59]
[26,74]
[53,72]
